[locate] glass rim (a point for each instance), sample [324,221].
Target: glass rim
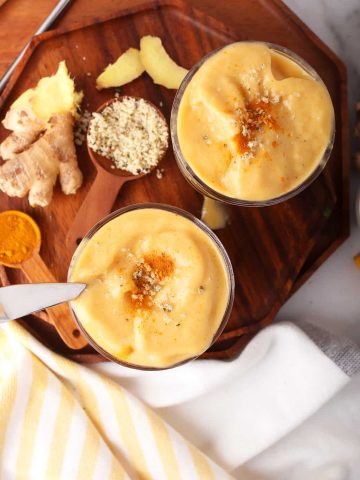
[189,216]
[204,188]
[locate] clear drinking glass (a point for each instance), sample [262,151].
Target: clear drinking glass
[199,224]
[197,182]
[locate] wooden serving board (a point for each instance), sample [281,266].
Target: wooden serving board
[269,247]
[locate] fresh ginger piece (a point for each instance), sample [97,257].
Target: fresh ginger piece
[51,96]
[23,102]
[26,130]
[157,63]
[41,146]
[35,170]
[214,214]
[126,68]
[62,139]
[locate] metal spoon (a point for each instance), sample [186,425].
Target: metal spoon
[19,300]
[36,271]
[43,27]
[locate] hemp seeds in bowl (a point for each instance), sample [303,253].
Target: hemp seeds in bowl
[131,132]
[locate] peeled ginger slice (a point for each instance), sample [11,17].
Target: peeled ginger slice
[126,68]
[161,68]
[52,95]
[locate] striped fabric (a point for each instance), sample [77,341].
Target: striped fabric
[60,420]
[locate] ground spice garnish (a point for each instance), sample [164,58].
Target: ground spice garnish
[148,277]
[255,117]
[19,237]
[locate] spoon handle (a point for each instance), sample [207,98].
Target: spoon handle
[97,204]
[37,272]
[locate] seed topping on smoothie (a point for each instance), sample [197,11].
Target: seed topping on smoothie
[257,116]
[148,277]
[131,132]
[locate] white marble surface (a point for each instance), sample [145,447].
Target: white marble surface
[331,298]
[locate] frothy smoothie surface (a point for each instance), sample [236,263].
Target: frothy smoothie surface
[252,124]
[157,288]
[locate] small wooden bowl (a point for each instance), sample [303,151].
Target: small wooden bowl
[103,192]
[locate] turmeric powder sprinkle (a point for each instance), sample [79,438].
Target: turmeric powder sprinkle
[19,236]
[148,277]
[254,118]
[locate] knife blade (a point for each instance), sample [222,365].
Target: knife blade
[19,300]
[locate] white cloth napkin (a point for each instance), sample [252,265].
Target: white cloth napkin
[62,421]
[265,413]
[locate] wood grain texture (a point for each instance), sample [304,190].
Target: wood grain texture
[269,247]
[96,205]
[18,22]
[36,271]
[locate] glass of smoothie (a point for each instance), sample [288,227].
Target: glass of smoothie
[252,124]
[160,286]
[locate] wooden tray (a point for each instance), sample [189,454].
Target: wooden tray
[269,247]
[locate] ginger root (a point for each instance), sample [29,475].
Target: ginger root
[52,95]
[26,130]
[35,169]
[41,145]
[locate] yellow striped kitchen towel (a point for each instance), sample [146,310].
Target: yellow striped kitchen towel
[61,420]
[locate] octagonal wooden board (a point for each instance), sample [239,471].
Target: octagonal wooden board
[268,246]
